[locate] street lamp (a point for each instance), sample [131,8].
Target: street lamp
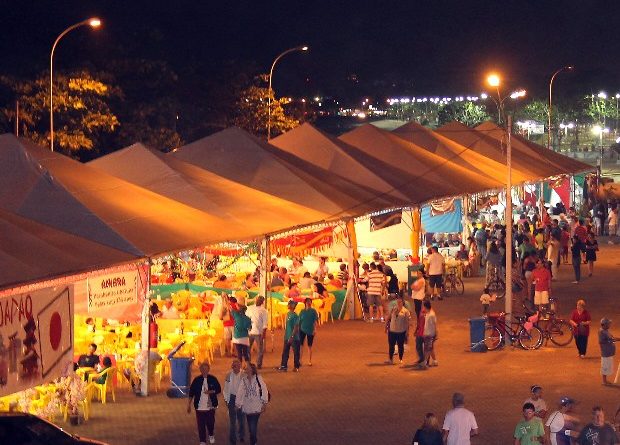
[494,81]
[297,48]
[568,68]
[94,23]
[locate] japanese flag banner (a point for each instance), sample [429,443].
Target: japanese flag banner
[36,337]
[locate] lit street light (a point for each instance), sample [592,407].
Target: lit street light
[94,23]
[494,81]
[297,48]
[569,68]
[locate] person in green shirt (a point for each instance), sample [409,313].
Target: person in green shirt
[291,338]
[529,431]
[308,319]
[241,336]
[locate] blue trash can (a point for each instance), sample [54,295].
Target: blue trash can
[476,334]
[180,375]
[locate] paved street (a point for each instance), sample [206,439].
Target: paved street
[350,397]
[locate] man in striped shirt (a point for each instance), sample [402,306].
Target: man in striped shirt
[376,283]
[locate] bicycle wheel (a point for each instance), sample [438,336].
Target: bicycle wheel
[560,332]
[493,338]
[531,339]
[459,287]
[448,287]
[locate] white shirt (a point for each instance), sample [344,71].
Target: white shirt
[613,218]
[306,283]
[555,422]
[204,403]
[430,324]
[435,264]
[251,396]
[485,299]
[419,294]
[231,384]
[539,405]
[459,423]
[259,317]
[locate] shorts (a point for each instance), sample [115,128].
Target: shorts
[373,300]
[228,332]
[541,297]
[607,365]
[302,337]
[428,342]
[435,280]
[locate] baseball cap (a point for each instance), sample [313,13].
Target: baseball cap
[565,400]
[605,320]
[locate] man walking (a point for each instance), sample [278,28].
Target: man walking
[459,424]
[259,317]
[608,349]
[376,284]
[436,267]
[235,415]
[430,334]
[291,338]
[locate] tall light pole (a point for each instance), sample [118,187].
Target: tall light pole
[291,50]
[93,22]
[568,67]
[494,81]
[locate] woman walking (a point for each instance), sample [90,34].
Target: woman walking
[397,328]
[252,399]
[580,321]
[203,392]
[429,433]
[591,249]
[576,249]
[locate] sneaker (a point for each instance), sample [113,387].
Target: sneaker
[203,443]
[296,370]
[382,319]
[434,363]
[610,242]
[575,282]
[309,363]
[281,368]
[400,362]
[211,439]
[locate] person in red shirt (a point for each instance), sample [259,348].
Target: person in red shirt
[541,278]
[580,320]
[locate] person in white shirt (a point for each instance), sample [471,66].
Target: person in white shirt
[306,282]
[235,415]
[259,317]
[540,406]
[612,221]
[322,270]
[436,266]
[252,399]
[429,336]
[418,291]
[561,423]
[459,424]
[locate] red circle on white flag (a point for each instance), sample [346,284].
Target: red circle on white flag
[55,330]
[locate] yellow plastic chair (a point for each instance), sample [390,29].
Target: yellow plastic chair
[101,389]
[317,304]
[84,405]
[326,311]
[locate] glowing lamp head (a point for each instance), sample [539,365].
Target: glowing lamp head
[305,48]
[94,22]
[493,80]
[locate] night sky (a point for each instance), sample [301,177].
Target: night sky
[438,47]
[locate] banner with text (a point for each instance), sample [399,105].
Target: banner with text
[36,331]
[110,291]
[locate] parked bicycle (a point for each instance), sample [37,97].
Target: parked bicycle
[558,330]
[452,283]
[521,331]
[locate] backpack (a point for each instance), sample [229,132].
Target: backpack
[260,390]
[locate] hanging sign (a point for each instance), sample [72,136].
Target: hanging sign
[112,290]
[36,331]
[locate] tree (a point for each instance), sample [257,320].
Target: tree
[536,110]
[252,110]
[468,113]
[81,114]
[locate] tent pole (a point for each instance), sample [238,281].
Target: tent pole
[263,282]
[509,242]
[353,271]
[146,318]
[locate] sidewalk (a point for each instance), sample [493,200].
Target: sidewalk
[349,396]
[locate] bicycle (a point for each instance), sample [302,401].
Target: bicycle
[528,337]
[558,330]
[452,283]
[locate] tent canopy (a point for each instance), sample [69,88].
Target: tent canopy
[55,190]
[242,158]
[30,251]
[421,165]
[205,190]
[562,164]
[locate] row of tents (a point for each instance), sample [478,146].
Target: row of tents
[60,217]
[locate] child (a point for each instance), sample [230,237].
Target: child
[485,299]
[608,349]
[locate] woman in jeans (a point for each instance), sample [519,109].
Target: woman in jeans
[397,327]
[252,399]
[580,321]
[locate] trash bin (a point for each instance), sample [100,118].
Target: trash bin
[180,374]
[476,334]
